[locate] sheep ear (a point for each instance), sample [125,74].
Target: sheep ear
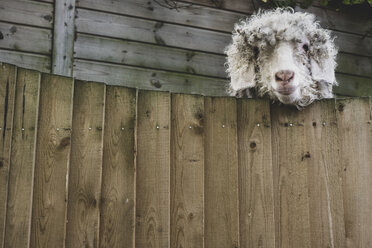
[242,79]
[324,74]
[324,71]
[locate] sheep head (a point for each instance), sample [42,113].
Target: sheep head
[284,55]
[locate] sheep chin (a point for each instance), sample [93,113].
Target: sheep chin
[288,98]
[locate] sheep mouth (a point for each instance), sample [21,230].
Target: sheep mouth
[286,90]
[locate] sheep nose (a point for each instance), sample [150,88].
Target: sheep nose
[284,76]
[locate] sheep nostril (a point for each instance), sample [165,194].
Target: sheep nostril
[284,76]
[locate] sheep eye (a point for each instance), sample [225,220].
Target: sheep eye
[305,47]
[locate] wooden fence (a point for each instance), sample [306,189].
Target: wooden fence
[147,45]
[88,165]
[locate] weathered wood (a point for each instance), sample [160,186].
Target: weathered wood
[7,96]
[27,39]
[147,78]
[151,56]
[84,188]
[27,12]
[353,86]
[185,14]
[52,158]
[340,21]
[291,199]
[22,161]
[63,37]
[26,60]
[105,24]
[256,193]
[132,53]
[355,134]
[187,172]
[221,174]
[354,65]
[152,171]
[352,43]
[309,211]
[117,207]
[235,5]
[321,157]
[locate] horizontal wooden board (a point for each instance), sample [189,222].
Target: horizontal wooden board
[26,60]
[185,14]
[353,64]
[146,55]
[28,39]
[27,12]
[353,86]
[340,21]
[193,62]
[352,43]
[235,5]
[148,79]
[111,25]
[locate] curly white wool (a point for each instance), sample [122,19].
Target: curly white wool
[275,40]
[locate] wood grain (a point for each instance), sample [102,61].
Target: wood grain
[187,171]
[153,170]
[291,183]
[26,39]
[26,60]
[235,5]
[84,188]
[7,96]
[63,37]
[22,161]
[221,174]
[355,134]
[118,172]
[256,193]
[27,12]
[155,32]
[325,187]
[186,14]
[148,78]
[52,158]
[150,56]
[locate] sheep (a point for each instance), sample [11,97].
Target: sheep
[284,55]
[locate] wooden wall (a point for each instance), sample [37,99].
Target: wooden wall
[88,165]
[139,43]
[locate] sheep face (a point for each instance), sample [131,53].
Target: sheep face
[284,55]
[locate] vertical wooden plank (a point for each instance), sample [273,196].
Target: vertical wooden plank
[52,158]
[7,94]
[307,176]
[117,206]
[21,174]
[63,37]
[84,187]
[291,185]
[321,157]
[187,171]
[355,136]
[221,174]
[153,162]
[256,203]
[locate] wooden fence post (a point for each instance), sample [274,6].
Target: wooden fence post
[63,37]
